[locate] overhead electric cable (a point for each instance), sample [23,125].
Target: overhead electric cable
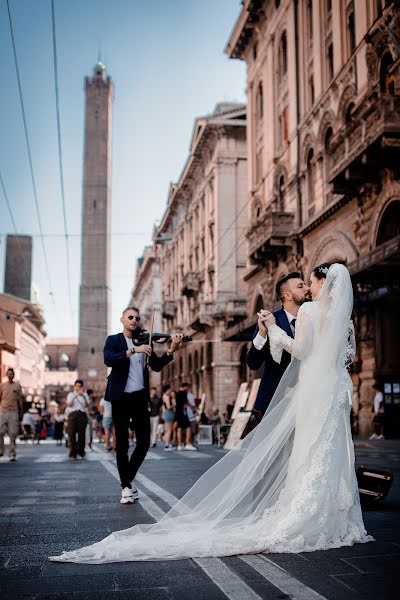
[3,187]
[60,160]
[28,147]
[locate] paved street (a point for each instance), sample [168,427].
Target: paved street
[49,504]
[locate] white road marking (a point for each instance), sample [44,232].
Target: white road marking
[148,504]
[226,580]
[97,455]
[219,573]
[281,578]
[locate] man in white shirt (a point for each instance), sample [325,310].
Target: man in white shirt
[128,391]
[77,421]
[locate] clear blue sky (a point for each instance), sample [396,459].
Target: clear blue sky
[167,63]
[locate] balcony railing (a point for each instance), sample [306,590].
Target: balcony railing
[370,142]
[271,235]
[208,312]
[170,308]
[190,284]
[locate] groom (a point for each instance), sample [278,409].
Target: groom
[293,292]
[128,391]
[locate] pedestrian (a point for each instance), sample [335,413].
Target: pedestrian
[90,397]
[40,429]
[128,391]
[168,415]
[77,421]
[191,415]
[215,421]
[181,418]
[155,410]
[106,408]
[97,420]
[379,412]
[11,408]
[28,424]
[59,425]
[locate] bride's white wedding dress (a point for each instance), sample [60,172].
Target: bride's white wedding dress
[290,485]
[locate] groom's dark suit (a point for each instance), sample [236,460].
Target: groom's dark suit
[272,371]
[129,408]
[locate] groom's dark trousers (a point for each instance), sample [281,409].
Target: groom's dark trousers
[129,408]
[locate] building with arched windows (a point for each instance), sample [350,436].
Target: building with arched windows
[324,167]
[201,248]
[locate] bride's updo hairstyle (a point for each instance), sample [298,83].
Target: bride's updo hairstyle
[321,271]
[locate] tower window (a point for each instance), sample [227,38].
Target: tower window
[330,62]
[94,204]
[92,351]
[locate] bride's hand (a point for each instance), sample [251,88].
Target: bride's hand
[269,318]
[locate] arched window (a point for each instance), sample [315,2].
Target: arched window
[281,193]
[310,177]
[259,102]
[389,227]
[283,56]
[386,81]
[349,113]
[327,159]
[310,20]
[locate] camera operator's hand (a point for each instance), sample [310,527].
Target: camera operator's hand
[143,349]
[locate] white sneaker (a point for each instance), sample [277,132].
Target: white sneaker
[179,447]
[373,436]
[127,496]
[190,447]
[168,449]
[380,437]
[134,491]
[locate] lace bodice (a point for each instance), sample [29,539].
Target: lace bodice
[300,346]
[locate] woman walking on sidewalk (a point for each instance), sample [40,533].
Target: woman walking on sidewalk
[168,415]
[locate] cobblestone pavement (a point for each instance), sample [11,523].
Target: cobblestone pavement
[48,504]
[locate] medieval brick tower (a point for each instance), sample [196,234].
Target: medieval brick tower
[94,311]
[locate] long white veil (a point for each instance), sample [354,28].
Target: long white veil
[268,492]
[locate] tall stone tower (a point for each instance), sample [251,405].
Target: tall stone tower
[94,314]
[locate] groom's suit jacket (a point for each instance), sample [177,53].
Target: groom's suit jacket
[115,357]
[272,371]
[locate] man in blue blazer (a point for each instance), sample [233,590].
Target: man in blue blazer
[128,391]
[292,292]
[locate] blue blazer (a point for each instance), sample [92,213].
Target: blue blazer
[272,371]
[115,357]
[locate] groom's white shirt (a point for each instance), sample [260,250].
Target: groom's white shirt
[260,341]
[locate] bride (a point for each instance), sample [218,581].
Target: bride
[290,485]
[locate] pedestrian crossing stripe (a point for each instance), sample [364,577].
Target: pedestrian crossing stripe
[99,456]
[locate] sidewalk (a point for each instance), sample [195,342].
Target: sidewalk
[49,504]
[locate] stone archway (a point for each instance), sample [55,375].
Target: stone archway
[336,246]
[391,193]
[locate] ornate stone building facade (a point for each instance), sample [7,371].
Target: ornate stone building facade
[147,297]
[94,300]
[61,358]
[22,343]
[202,249]
[323,121]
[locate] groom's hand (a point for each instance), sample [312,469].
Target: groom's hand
[262,326]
